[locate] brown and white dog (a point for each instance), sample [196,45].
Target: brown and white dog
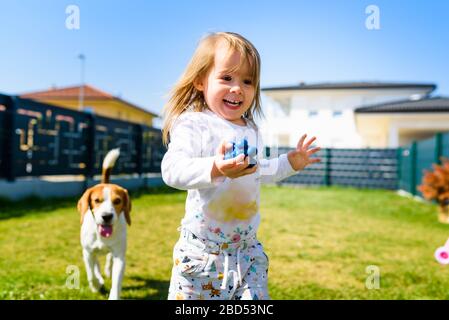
[105,212]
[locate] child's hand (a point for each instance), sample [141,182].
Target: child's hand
[300,158]
[232,168]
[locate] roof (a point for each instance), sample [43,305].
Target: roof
[355,85]
[434,104]
[72,93]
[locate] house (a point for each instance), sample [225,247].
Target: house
[95,101]
[394,124]
[327,110]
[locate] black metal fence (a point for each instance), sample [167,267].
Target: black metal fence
[38,139]
[361,168]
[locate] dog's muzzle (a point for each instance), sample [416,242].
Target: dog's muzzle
[105,229]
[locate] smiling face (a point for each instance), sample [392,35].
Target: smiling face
[228,88]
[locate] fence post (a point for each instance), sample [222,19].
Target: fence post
[327,168]
[9,146]
[139,149]
[438,147]
[413,155]
[90,160]
[398,167]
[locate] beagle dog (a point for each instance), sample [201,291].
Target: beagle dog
[105,212]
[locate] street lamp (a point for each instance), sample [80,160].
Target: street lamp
[81,91]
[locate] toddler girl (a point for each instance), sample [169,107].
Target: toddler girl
[213,105]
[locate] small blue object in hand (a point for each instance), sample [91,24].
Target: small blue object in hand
[242,147]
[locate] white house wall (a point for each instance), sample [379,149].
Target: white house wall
[399,129]
[287,114]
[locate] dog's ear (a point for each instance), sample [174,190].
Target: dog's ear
[127,206]
[83,204]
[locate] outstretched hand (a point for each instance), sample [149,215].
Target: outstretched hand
[301,157]
[231,168]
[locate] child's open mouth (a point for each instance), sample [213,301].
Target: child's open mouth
[232,104]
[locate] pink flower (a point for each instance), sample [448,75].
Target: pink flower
[217,230]
[236,238]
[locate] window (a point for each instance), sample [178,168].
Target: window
[337,113]
[286,109]
[313,113]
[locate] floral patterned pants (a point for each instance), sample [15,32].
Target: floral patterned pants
[206,270]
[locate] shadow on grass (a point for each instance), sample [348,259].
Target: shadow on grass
[14,209]
[161,287]
[135,194]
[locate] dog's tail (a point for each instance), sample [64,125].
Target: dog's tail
[108,164]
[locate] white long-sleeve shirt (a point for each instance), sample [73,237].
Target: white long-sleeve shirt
[224,209]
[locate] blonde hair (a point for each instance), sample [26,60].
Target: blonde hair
[185,95]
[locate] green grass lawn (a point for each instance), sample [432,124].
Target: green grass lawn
[320,242]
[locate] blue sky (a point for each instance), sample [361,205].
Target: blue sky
[137,49]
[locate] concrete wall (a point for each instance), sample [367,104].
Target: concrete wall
[67,186]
